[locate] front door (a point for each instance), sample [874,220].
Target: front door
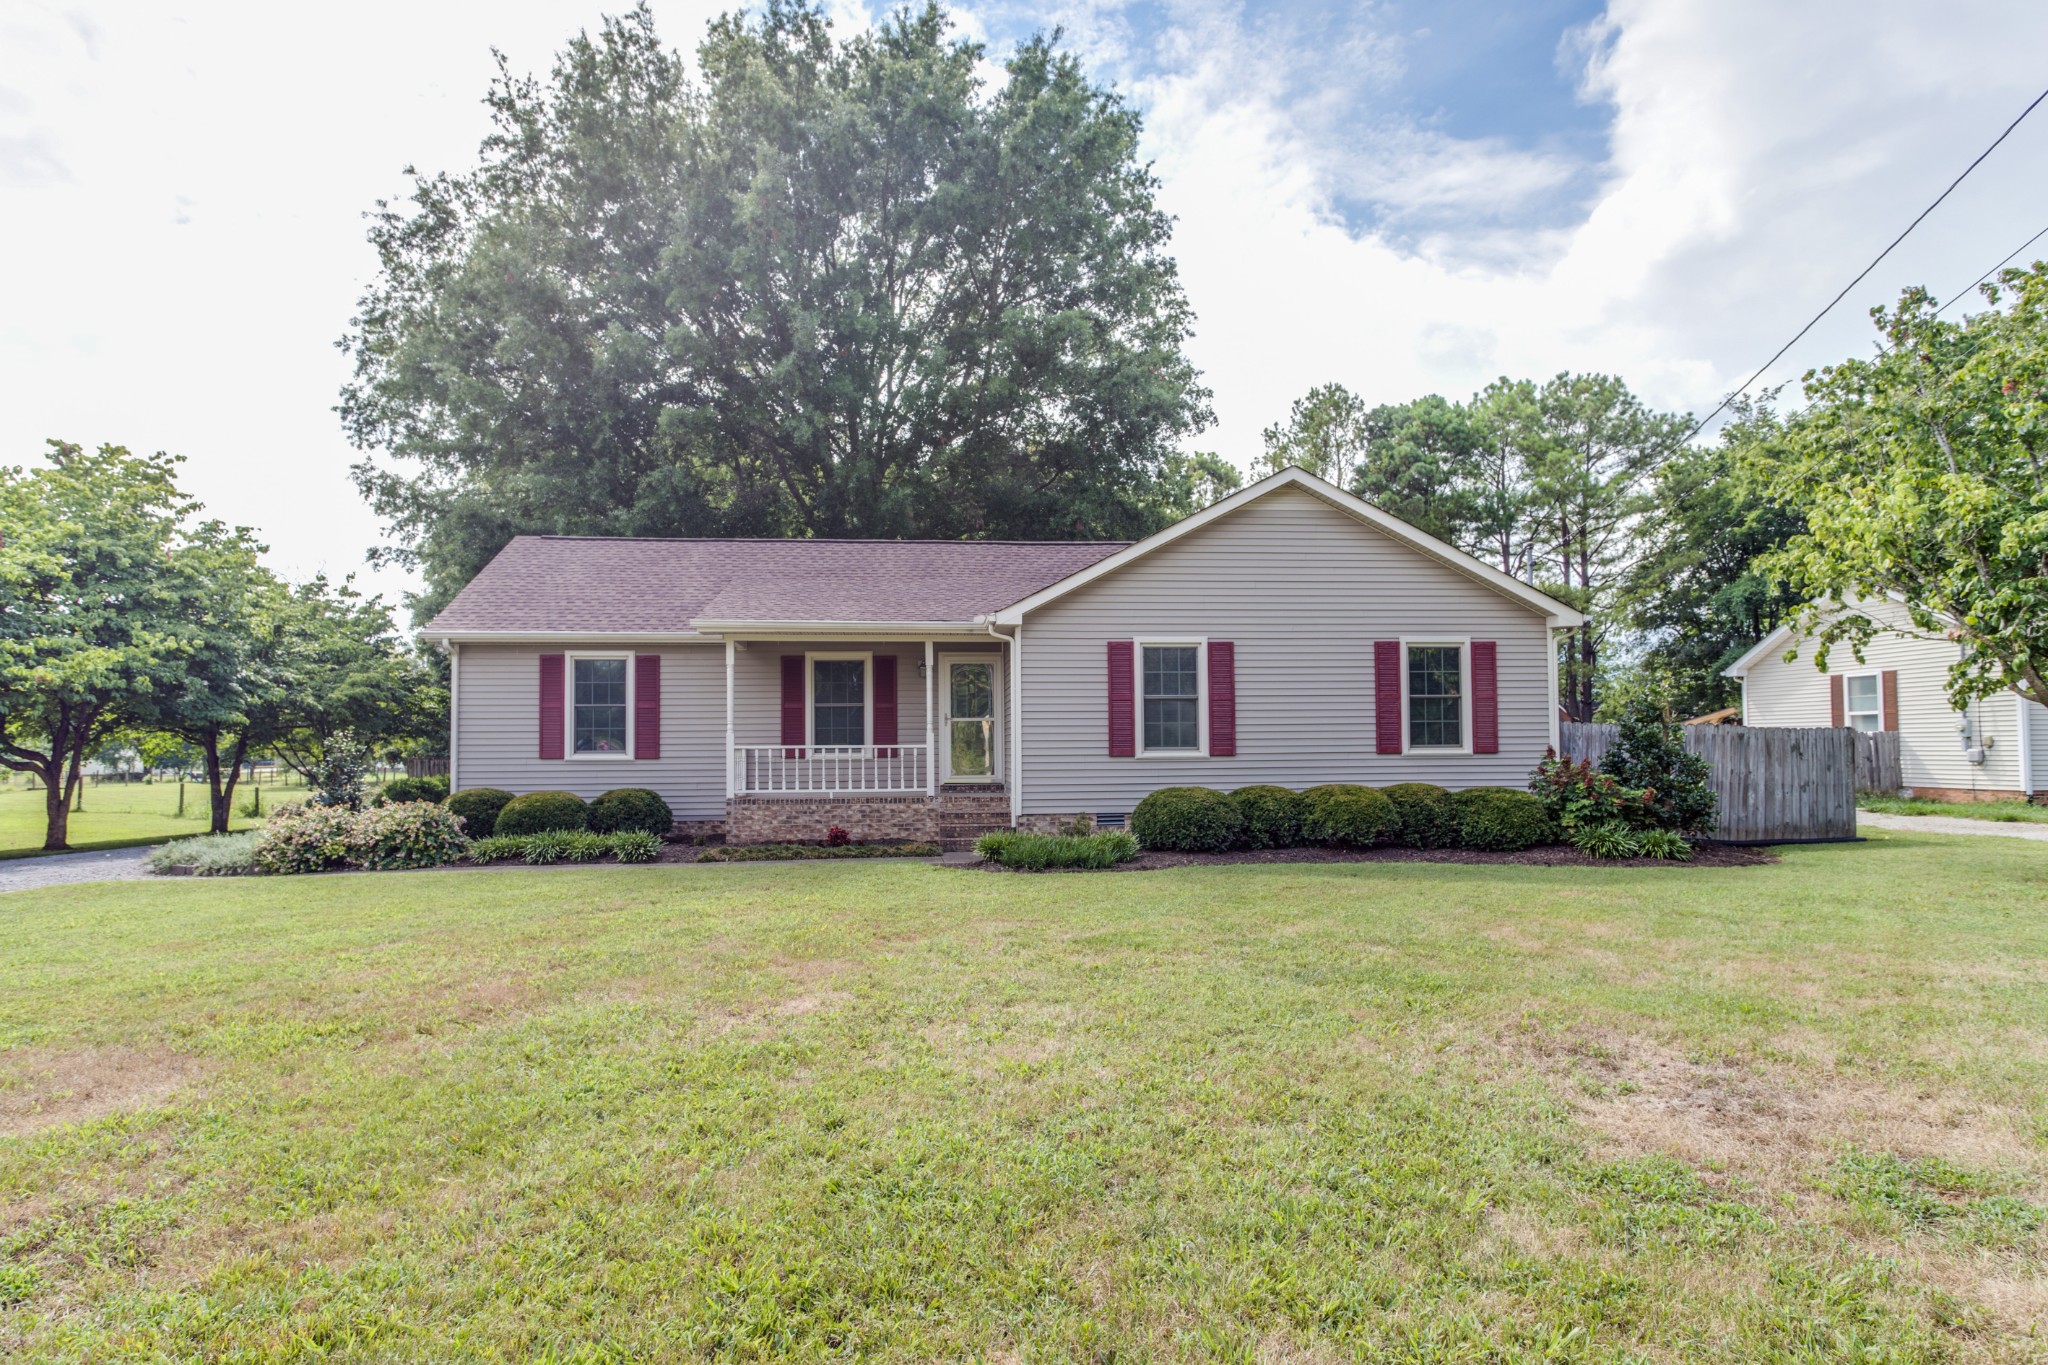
[968,691]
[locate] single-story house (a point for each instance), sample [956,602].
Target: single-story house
[768,689]
[1995,749]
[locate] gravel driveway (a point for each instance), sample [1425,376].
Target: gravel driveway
[1951,824]
[58,869]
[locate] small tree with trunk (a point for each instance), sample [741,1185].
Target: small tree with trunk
[95,584]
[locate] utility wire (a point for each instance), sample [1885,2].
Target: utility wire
[1723,404]
[1993,270]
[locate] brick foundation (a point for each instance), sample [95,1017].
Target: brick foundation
[1966,794]
[1055,824]
[697,832]
[967,813]
[804,819]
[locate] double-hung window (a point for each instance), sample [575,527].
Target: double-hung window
[597,717]
[1436,696]
[1170,697]
[1862,702]
[839,702]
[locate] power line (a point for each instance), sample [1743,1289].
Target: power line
[1993,270]
[1723,404]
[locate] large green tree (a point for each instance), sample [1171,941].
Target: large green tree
[1695,594]
[1324,433]
[812,288]
[96,585]
[1423,462]
[1923,474]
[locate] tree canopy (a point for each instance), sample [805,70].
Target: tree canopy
[1923,473]
[812,288]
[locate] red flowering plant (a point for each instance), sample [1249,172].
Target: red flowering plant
[1579,796]
[837,837]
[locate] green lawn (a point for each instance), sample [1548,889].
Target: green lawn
[1394,1112]
[120,813]
[1968,810]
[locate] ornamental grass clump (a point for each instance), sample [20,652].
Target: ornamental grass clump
[635,846]
[1346,816]
[1187,820]
[211,855]
[1039,852]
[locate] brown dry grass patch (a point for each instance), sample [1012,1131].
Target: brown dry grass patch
[43,1088]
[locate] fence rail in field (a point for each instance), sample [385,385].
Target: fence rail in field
[1772,782]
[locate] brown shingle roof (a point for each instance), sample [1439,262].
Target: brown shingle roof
[607,584]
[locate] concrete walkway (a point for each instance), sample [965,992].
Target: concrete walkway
[1952,824]
[59,869]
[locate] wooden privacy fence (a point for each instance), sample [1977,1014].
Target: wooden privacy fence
[1877,762]
[1771,783]
[427,767]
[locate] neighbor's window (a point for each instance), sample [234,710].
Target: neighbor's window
[600,711]
[1860,696]
[1171,688]
[1436,706]
[839,696]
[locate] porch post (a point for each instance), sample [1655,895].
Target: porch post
[730,759]
[931,721]
[1016,773]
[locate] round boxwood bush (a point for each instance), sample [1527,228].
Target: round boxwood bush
[1501,819]
[1425,815]
[631,808]
[543,813]
[1347,816]
[413,789]
[1272,816]
[479,807]
[1187,820]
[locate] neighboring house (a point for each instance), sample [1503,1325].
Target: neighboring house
[1290,634]
[1996,749]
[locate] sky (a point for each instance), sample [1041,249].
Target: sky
[1404,197]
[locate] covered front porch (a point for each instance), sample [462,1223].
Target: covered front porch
[885,736]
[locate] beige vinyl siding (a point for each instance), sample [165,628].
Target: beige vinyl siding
[499,729]
[1931,750]
[1302,590]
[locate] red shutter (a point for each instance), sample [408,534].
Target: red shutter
[793,705]
[1222,699]
[1889,681]
[1485,698]
[647,706]
[551,719]
[1837,712]
[1123,735]
[885,704]
[1386,695]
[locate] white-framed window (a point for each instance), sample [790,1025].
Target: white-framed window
[1436,696]
[600,710]
[1863,702]
[839,708]
[1173,685]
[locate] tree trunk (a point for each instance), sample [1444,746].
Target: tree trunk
[221,791]
[56,814]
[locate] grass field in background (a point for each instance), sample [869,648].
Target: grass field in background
[122,814]
[1396,1112]
[1968,810]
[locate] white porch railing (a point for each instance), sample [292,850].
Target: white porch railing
[779,769]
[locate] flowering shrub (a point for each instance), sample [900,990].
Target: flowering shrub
[304,839]
[317,838]
[837,837]
[405,834]
[1578,796]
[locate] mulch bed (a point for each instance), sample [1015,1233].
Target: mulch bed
[1548,855]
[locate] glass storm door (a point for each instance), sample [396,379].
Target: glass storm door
[968,697]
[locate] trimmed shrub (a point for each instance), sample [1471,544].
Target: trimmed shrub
[1347,816]
[304,839]
[210,855]
[1187,820]
[479,807]
[1272,816]
[409,834]
[1424,815]
[1649,755]
[631,808]
[1036,852]
[400,789]
[542,813]
[1501,819]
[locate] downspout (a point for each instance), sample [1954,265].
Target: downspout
[1015,775]
[2026,746]
[454,653]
